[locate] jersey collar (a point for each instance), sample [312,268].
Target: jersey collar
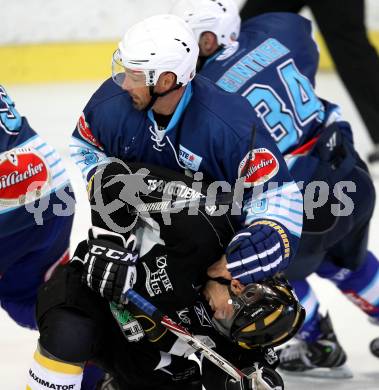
[223,54]
[185,99]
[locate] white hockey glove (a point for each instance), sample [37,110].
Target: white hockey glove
[109,268]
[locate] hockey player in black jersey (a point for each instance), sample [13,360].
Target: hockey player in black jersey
[81,315]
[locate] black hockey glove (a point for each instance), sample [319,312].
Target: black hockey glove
[109,268]
[80,255]
[259,377]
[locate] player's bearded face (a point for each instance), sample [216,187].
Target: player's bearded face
[134,83]
[141,97]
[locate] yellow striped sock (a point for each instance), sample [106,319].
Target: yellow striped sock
[46,372]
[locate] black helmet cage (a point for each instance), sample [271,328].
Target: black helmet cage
[266,314]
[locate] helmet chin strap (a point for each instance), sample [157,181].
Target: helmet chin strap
[156,95]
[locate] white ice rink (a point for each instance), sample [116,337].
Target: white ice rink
[53,110]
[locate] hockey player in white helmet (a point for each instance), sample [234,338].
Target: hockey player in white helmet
[154,110]
[219,17]
[216,25]
[273,64]
[142,60]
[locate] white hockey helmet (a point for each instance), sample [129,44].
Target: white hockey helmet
[161,43]
[218,16]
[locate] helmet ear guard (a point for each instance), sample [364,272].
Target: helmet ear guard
[266,314]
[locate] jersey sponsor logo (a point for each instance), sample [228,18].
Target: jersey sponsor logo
[184,316]
[154,207]
[202,315]
[189,159]
[131,327]
[49,385]
[133,331]
[24,176]
[86,133]
[173,188]
[90,157]
[158,281]
[258,167]
[179,194]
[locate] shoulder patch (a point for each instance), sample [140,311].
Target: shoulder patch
[10,119]
[24,176]
[86,133]
[258,167]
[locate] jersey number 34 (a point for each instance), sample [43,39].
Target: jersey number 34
[285,122]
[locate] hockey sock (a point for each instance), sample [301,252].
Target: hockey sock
[48,373]
[91,376]
[360,286]
[23,312]
[310,331]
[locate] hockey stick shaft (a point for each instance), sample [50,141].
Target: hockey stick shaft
[186,336]
[169,205]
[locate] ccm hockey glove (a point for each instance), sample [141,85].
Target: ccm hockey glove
[258,252]
[110,268]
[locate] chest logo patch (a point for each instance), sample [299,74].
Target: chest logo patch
[258,167]
[190,160]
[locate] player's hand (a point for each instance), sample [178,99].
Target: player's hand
[110,262]
[258,252]
[258,377]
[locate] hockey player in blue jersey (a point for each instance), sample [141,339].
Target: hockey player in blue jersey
[36,213]
[37,207]
[272,61]
[156,111]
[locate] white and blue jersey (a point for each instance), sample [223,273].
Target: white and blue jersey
[211,132]
[34,188]
[273,65]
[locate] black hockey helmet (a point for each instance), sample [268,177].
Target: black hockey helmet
[266,314]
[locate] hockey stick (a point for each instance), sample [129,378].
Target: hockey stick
[181,332]
[225,199]
[169,205]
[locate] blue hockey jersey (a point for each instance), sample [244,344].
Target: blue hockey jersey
[36,213]
[210,132]
[273,65]
[30,170]
[33,182]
